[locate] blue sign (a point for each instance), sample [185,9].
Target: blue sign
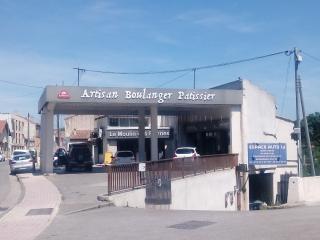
[267,153]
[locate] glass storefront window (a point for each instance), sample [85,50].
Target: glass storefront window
[126,122]
[114,122]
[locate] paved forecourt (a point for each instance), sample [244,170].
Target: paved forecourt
[34,213]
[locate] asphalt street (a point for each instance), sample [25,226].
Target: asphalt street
[10,189]
[80,189]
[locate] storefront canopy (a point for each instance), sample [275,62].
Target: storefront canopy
[97,100]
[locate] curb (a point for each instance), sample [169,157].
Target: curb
[287,205]
[22,190]
[109,204]
[103,198]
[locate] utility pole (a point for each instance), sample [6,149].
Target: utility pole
[82,70]
[194,78]
[28,132]
[297,60]
[299,100]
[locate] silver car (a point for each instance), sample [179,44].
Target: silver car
[22,161]
[123,157]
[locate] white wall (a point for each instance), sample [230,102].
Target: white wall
[305,189]
[203,192]
[235,131]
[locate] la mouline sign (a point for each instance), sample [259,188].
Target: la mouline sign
[267,153]
[134,133]
[160,96]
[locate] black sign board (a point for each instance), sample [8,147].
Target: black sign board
[134,133]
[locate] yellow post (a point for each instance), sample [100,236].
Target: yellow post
[107,158]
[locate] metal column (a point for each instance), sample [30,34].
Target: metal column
[154,132]
[142,151]
[46,141]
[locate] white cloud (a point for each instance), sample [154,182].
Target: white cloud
[213,18]
[108,12]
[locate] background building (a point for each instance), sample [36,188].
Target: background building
[24,132]
[5,134]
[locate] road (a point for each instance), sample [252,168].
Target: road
[80,189]
[10,189]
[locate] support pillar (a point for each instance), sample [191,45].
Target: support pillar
[154,132]
[47,139]
[142,150]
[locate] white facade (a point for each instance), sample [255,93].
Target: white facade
[256,122]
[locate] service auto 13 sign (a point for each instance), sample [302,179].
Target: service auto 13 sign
[267,153]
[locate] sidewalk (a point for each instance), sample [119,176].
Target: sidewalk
[34,213]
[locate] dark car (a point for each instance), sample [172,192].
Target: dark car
[79,156]
[60,157]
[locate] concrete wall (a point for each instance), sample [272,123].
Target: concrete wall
[212,191]
[133,198]
[305,189]
[205,192]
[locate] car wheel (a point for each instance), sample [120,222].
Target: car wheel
[68,168]
[55,163]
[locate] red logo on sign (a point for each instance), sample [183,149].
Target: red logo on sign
[63,94]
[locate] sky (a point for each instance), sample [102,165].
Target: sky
[42,41]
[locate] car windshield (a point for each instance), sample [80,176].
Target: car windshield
[125,154]
[184,151]
[21,157]
[80,150]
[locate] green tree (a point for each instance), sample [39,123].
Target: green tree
[314,133]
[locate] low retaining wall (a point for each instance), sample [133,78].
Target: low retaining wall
[305,189]
[211,191]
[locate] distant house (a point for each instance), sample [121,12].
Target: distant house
[4,138]
[80,135]
[79,127]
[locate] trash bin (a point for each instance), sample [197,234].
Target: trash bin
[107,158]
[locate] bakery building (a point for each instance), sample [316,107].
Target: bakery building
[234,118]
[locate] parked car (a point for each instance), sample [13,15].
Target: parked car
[123,157]
[2,157]
[79,156]
[23,161]
[19,151]
[60,157]
[183,152]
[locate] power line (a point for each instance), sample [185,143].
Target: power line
[311,56]
[174,79]
[20,84]
[191,68]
